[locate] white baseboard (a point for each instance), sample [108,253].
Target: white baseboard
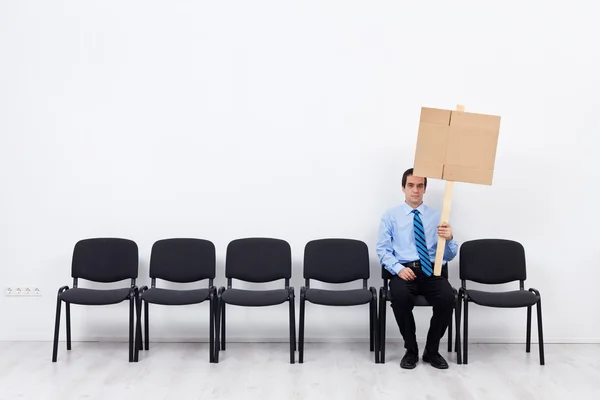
[472,340]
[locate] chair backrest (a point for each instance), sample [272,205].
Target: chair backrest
[492,261]
[258,260]
[183,260]
[336,260]
[105,260]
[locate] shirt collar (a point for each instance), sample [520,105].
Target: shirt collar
[408,209]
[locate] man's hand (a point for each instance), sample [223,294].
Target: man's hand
[407,274]
[445,231]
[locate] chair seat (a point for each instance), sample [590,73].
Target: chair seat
[254,298]
[512,299]
[173,297]
[339,297]
[95,297]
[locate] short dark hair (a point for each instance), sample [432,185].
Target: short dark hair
[407,173]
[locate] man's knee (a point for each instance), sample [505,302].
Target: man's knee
[446,298]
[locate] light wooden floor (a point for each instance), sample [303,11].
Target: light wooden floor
[262,371]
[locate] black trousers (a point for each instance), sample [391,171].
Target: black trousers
[438,292]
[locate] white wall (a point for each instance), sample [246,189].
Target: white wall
[295,119]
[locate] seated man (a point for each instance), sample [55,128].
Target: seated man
[406,247]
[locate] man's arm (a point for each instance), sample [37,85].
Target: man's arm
[451,250]
[385,251]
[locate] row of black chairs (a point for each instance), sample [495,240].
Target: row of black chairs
[260,260]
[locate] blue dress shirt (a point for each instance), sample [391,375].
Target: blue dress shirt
[396,243]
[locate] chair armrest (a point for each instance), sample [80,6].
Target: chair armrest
[382,293]
[302,291]
[221,290]
[290,292]
[373,292]
[537,292]
[62,289]
[134,291]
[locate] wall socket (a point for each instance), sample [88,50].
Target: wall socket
[23,291]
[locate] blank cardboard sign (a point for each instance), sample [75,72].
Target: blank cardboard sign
[456,146]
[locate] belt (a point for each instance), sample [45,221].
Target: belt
[417,264]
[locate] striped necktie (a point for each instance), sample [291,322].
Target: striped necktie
[421,243]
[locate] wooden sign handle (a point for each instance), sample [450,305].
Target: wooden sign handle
[441,246]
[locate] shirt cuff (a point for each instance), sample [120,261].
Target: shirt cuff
[397,267]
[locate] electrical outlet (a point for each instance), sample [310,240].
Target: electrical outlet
[23,291]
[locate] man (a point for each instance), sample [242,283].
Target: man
[406,247]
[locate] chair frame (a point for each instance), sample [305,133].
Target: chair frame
[133,298]
[464,295]
[212,301]
[144,341]
[220,334]
[373,321]
[385,296]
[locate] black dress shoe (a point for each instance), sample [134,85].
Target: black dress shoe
[410,359]
[435,359]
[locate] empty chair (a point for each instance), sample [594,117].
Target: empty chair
[101,260]
[385,295]
[180,261]
[492,262]
[256,260]
[338,261]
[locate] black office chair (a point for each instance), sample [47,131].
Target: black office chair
[102,260]
[180,261]
[498,261]
[338,261]
[386,295]
[256,260]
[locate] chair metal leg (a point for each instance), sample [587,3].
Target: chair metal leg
[301,330]
[292,329]
[131,306]
[139,339]
[528,338]
[56,329]
[223,334]
[466,332]
[374,327]
[371,326]
[68,317]
[457,334]
[540,332]
[138,329]
[146,325]
[217,348]
[450,335]
[382,326]
[211,334]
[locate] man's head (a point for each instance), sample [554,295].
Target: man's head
[414,187]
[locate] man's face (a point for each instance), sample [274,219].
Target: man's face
[414,190]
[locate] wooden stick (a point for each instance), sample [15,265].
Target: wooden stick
[441,246]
